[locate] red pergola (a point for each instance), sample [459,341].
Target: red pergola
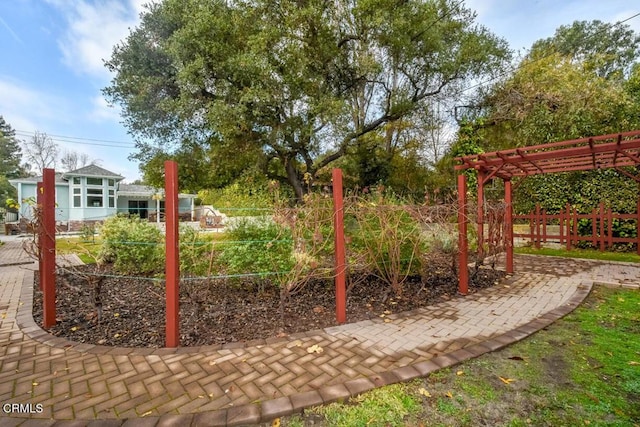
[613,151]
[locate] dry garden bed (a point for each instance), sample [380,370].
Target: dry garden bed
[217,312]
[264,277]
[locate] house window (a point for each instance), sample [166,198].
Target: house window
[94,181]
[77,198]
[76,180]
[111,183]
[112,198]
[139,208]
[94,197]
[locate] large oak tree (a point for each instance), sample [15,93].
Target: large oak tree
[290,86]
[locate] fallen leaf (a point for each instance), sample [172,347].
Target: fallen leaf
[318,309]
[275,423]
[387,320]
[116,314]
[386,312]
[634,363]
[315,349]
[74,328]
[117,336]
[147,413]
[621,299]
[34,383]
[459,373]
[506,380]
[212,362]
[424,392]
[449,395]
[4,315]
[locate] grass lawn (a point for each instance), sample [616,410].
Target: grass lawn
[580,253]
[583,370]
[87,250]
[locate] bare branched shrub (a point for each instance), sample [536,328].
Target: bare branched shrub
[311,229]
[385,240]
[439,228]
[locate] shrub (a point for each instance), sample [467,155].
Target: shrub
[132,245]
[197,251]
[384,239]
[257,246]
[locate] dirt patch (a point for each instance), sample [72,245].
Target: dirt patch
[130,311]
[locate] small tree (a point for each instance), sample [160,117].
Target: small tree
[41,152]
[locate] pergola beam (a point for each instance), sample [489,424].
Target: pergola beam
[612,151]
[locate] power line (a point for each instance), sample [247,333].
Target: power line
[81,141]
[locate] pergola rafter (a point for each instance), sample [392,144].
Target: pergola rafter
[613,151]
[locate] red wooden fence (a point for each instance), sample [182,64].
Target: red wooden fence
[567,224]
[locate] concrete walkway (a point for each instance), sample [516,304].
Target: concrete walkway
[72,384]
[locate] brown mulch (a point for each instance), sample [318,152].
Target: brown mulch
[218,312]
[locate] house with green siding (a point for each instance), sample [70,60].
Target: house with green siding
[91,194]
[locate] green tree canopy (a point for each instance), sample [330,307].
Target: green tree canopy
[10,152]
[582,82]
[609,50]
[10,161]
[294,84]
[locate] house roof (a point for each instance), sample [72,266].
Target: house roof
[62,178]
[36,179]
[135,190]
[94,170]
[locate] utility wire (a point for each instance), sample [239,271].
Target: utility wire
[81,141]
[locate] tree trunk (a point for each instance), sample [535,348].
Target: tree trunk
[294,180]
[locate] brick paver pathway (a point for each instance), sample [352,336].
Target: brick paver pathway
[244,383]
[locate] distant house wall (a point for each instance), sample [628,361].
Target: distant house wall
[91,198]
[27,191]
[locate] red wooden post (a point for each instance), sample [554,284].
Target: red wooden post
[568,216]
[601,216]
[509,225]
[638,226]
[39,193]
[172,254]
[537,226]
[594,230]
[610,228]
[480,213]
[463,247]
[544,225]
[340,252]
[561,223]
[48,248]
[575,226]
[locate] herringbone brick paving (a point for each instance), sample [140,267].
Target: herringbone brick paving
[246,384]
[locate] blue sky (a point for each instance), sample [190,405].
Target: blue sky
[52,72]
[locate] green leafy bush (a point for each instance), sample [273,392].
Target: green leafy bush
[195,252]
[256,246]
[133,246]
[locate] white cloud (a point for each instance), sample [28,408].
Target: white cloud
[28,109]
[94,27]
[103,111]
